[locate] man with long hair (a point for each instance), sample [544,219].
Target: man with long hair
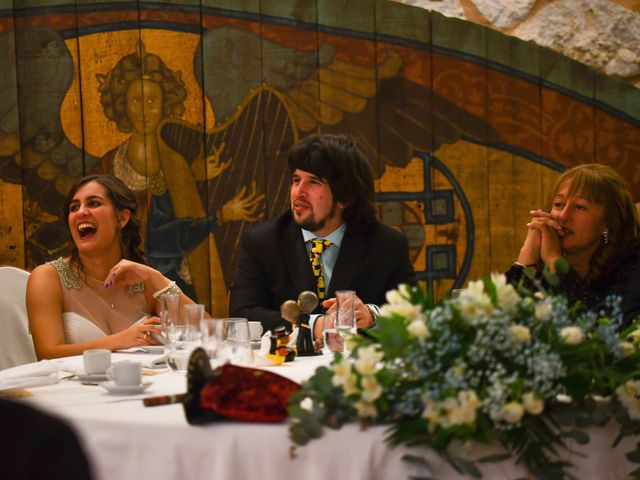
[331,228]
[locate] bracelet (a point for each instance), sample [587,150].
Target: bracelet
[171,289]
[518,264]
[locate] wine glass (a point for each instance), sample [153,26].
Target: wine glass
[227,340]
[345,318]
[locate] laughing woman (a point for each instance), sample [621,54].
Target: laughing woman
[592,223]
[95,297]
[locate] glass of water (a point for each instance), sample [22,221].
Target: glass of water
[345,315]
[227,340]
[332,340]
[181,342]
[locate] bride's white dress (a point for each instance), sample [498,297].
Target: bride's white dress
[91,311]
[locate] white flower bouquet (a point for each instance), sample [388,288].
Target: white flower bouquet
[497,363]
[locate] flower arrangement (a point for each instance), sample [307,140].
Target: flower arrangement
[515,365]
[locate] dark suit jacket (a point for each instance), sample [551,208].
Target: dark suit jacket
[273,266]
[37,445]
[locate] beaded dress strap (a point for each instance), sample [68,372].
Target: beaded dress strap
[70,279]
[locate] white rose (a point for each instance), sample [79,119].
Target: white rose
[629,396]
[628,348]
[418,328]
[341,372]
[350,385]
[306,404]
[634,336]
[368,358]
[562,398]
[512,412]
[398,303]
[532,403]
[520,333]
[474,302]
[371,389]
[366,409]
[572,335]
[507,296]
[542,310]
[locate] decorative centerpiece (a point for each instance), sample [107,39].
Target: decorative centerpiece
[297,313]
[516,366]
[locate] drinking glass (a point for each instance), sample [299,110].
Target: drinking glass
[227,340]
[332,340]
[193,315]
[181,342]
[171,310]
[345,318]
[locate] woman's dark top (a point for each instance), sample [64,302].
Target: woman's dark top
[622,278]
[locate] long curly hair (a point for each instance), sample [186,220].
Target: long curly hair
[122,198]
[602,185]
[140,66]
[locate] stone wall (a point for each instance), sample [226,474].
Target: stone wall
[604,34]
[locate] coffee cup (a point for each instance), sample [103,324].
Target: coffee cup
[125,373]
[255,330]
[96,361]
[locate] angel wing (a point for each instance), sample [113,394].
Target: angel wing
[34,150]
[48,162]
[323,92]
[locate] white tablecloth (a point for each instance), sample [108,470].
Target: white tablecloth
[126,440]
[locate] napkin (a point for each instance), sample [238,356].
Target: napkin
[31,375]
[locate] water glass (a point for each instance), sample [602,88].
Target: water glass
[193,315]
[181,342]
[346,314]
[171,309]
[330,337]
[227,340]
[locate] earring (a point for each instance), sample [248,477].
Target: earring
[605,237]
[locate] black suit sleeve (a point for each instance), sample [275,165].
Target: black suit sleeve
[405,272]
[250,296]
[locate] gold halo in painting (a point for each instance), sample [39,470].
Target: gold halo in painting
[104,50]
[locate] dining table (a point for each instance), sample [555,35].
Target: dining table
[124,439]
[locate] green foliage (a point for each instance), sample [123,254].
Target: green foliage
[498,364]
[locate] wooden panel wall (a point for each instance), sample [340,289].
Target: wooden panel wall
[466,129]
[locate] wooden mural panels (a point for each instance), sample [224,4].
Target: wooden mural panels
[466,129]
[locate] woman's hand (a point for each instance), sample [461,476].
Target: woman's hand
[126,272]
[543,233]
[550,248]
[138,334]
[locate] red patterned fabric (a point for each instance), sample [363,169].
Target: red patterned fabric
[248,394]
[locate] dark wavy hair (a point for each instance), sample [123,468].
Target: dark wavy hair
[338,159]
[137,66]
[602,185]
[123,199]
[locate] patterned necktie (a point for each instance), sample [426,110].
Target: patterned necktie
[317,247]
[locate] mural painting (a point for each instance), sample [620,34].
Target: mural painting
[195,111]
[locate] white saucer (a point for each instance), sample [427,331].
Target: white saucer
[124,389]
[92,377]
[155,349]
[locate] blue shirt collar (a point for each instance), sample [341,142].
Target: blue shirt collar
[334,237]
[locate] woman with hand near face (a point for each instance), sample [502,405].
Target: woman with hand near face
[591,223]
[95,297]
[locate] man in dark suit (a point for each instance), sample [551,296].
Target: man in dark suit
[332,195]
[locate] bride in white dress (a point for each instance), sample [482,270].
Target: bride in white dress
[95,297]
